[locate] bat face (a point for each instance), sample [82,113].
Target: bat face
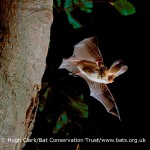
[87,62]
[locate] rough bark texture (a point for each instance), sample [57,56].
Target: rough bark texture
[24,40]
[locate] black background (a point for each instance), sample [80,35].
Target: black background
[119,37]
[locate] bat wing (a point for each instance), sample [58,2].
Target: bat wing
[87,50]
[70,65]
[101,92]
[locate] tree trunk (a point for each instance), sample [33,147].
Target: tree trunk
[24,40]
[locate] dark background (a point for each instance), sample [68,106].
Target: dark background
[119,37]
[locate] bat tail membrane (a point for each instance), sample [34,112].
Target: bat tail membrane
[69,65]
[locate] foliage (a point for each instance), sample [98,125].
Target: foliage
[81,108]
[61,122]
[124,7]
[44,96]
[70,6]
[70,109]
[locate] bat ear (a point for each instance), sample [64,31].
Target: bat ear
[116,66]
[121,71]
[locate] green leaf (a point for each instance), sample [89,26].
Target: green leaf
[78,105]
[124,7]
[81,108]
[47,92]
[86,6]
[41,108]
[68,6]
[61,122]
[71,5]
[44,98]
[81,96]
[76,24]
[88,10]
[88,3]
[59,3]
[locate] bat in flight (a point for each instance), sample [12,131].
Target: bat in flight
[87,62]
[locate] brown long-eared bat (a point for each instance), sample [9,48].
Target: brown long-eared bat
[87,62]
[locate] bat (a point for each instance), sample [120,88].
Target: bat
[87,62]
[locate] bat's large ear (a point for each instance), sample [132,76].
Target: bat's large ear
[116,66]
[121,71]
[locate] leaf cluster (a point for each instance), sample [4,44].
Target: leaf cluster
[63,108]
[124,7]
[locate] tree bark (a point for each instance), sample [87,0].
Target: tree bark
[24,40]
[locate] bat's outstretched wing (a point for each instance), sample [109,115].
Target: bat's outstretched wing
[70,65]
[101,92]
[87,50]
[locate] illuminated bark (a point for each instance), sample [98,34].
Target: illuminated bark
[24,40]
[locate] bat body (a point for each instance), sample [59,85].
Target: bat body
[87,62]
